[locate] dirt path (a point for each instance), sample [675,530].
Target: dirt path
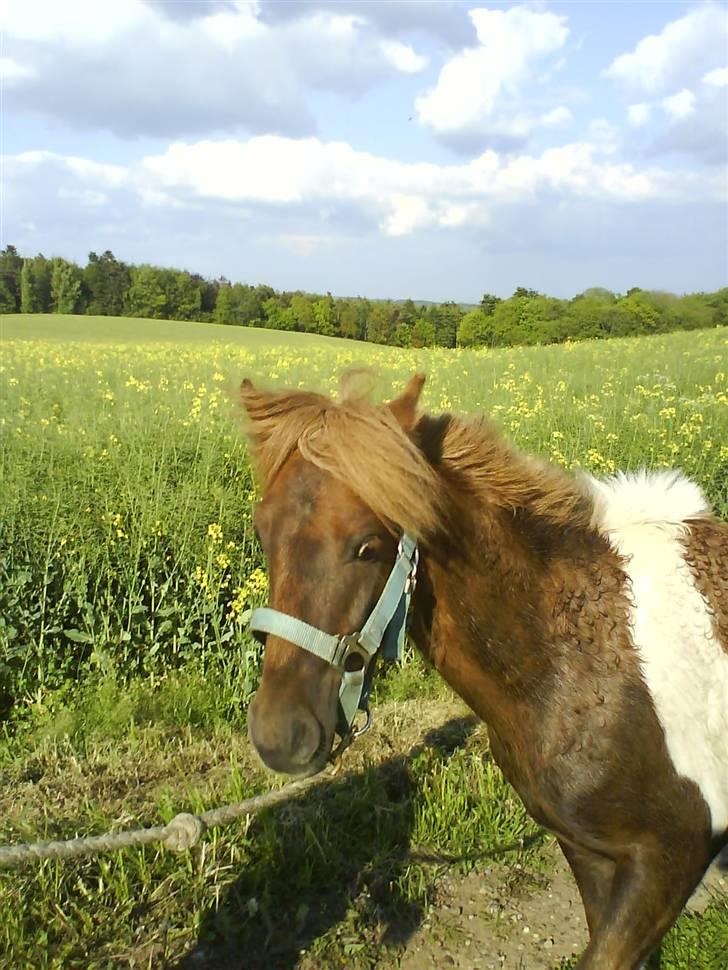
[495,921]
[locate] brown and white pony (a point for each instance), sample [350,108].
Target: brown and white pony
[585,621]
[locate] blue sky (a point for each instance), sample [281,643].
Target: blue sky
[428,149]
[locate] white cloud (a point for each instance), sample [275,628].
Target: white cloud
[678,54]
[84,196]
[306,183]
[446,21]
[558,116]
[140,69]
[406,213]
[86,170]
[680,105]
[402,197]
[78,22]
[11,70]
[695,125]
[718,78]
[478,87]
[639,114]
[682,68]
[230,29]
[403,57]
[604,134]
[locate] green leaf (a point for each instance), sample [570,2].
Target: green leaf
[79,636]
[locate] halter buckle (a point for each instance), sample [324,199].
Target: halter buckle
[350,643]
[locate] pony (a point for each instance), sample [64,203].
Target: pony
[585,621]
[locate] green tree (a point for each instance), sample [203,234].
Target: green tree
[250,303]
[225,304]
[642,312]
[279,316]
[208,296]
[7,300]
[402,336]
[445,318]
[65,286]
[106,282]
[29,301]
[42,271]
[302,309]
[718,302]
[378,324]
[695,312]
[324,312]
[488,303]
[148,294]
[408,313]
[185,296]
[597,293]
[352,318]
[475,329]
[11,265]
[423,333]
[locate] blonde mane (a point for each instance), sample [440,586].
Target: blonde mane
[406,480]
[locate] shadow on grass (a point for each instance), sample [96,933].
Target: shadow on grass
[339,857]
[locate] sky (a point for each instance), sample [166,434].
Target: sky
[433,150]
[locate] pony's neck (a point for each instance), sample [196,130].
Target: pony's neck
[485,590]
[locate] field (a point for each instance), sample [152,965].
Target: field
[127,559]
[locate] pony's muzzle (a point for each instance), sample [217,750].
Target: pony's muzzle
[288,741]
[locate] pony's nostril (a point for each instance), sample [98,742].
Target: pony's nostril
[306,736]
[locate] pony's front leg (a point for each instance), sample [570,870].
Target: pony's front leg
[594,875]
[649,889]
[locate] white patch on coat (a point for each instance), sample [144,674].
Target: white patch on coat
[683,664]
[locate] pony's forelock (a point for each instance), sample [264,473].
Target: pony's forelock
[354,440]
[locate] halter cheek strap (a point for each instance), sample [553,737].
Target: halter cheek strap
[385,627]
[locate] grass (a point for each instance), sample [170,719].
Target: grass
[361,851]
[133,330]
[127,559]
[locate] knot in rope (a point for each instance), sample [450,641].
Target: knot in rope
[183,832]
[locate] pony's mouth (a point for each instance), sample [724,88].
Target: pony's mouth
[318,760]
[286,763]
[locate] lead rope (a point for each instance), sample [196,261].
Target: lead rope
[182,833]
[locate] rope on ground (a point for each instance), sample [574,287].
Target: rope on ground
[183,832]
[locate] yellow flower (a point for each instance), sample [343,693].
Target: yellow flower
[214,533]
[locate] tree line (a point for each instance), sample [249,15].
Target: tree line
[106,286]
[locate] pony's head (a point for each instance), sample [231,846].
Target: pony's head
[341,481]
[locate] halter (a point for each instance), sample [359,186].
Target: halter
[384,628]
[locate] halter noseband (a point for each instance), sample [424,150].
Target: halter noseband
[384,628]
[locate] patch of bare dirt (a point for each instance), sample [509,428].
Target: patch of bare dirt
[494,920]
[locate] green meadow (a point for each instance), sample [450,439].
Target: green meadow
[127,563]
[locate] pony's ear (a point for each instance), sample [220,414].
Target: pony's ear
[404,407]
[252,401]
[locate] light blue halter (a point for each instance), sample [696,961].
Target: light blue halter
[384,628]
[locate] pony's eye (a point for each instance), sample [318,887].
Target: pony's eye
[367,551]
